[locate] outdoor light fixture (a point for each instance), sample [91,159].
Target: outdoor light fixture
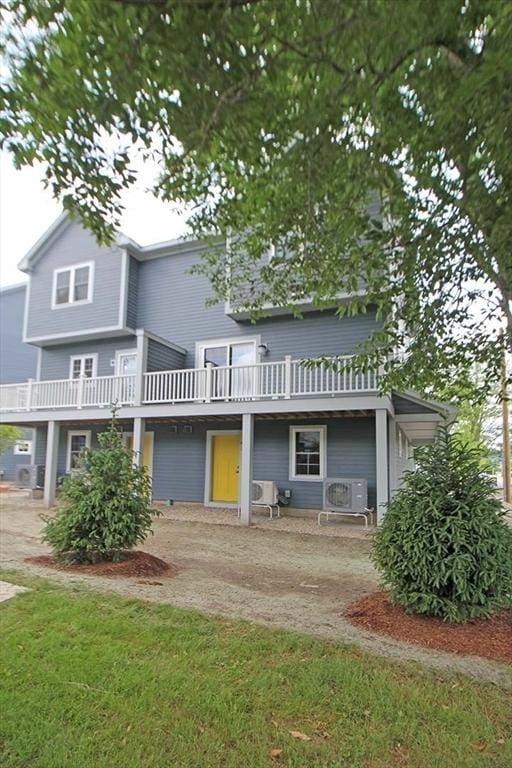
[262,350]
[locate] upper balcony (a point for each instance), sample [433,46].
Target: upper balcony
[281,380]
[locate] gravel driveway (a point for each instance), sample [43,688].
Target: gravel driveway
[299,581]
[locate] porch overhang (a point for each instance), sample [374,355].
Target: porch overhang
[421,428]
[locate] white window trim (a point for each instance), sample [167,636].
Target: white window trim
[204,344]
[322,428]
[94,356]
[72,269]
[75,433]
[17,451]
[119,354]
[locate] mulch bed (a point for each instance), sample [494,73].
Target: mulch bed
[490,638]
[134,563]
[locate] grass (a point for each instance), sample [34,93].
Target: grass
[88,680]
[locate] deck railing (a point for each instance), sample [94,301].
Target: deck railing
[283,379]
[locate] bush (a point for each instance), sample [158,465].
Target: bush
[443,547]
[107,505]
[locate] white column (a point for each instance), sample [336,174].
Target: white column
[246,468]
[381,460]
[142,364]
[138,440]
[50,472]
[392,457]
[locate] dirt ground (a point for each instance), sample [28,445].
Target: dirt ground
[299,581]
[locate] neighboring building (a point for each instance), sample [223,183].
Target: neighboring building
[18,362]
[208,399]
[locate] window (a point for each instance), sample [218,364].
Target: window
[308,452]
[77,441]
[72,285]
[23,447]
[83,366]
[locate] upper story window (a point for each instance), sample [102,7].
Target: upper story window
[73,285]
[83,366]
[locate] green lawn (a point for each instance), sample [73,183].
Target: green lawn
[89,680]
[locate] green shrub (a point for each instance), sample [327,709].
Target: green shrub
[443,547]
[107,504]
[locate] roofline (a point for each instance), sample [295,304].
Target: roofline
[46,238]
[448,409]
[14,287]
[166,247]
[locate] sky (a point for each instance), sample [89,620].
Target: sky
[27,209]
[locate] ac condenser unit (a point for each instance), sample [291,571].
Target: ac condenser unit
[345,495]
[29,476]
[264,492]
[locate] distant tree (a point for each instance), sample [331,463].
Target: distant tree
[283,121]
[8,437]
[107,504]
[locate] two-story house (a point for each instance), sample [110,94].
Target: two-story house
[18,362]
[208,400]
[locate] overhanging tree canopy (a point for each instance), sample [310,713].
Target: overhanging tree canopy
[284,121]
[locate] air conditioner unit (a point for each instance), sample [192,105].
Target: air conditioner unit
[29,476]
[345,495]
[264,492]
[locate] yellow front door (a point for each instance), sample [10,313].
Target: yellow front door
[225,468]
[147,449]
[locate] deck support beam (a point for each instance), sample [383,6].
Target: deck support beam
[246,468]
[139,426]
[50,473]
[381,461]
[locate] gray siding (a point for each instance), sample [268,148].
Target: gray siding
[133,279]
[179,459]
[162,358]
[9,461]
[75,245]
[404,406]
[55,360]
[172,304]
[18,361]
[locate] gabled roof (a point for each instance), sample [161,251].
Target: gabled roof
[51,234]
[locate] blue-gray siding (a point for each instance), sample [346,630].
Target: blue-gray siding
[73,246]
[163,358]
[133,281]
[55,361]
[171,304]
[9,461]
[404,406]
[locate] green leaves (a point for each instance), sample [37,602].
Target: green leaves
[443,547]
[106,504]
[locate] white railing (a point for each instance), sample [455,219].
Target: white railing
[283,379]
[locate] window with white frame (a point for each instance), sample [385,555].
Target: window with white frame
[77,441]
[83,366]
[23,447]
[308,452]
[73,285]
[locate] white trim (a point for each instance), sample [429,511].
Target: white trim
[322,428]
[123,295]
[210,434]
[17,445]
[161,340]
[39,363]
[89,332]
[75,433]
[72,268]
[126,435]
[25,312]
[204,343]
[54,230]
[120,353]
[93,355]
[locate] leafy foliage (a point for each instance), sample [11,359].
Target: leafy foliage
[8,437]
[285,122]
[443,547]
[106,504]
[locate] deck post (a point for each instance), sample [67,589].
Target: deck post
[28,403]
[393,458]
[50,472]
[246,468]
[141,367]
[138,440]
[381,461]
